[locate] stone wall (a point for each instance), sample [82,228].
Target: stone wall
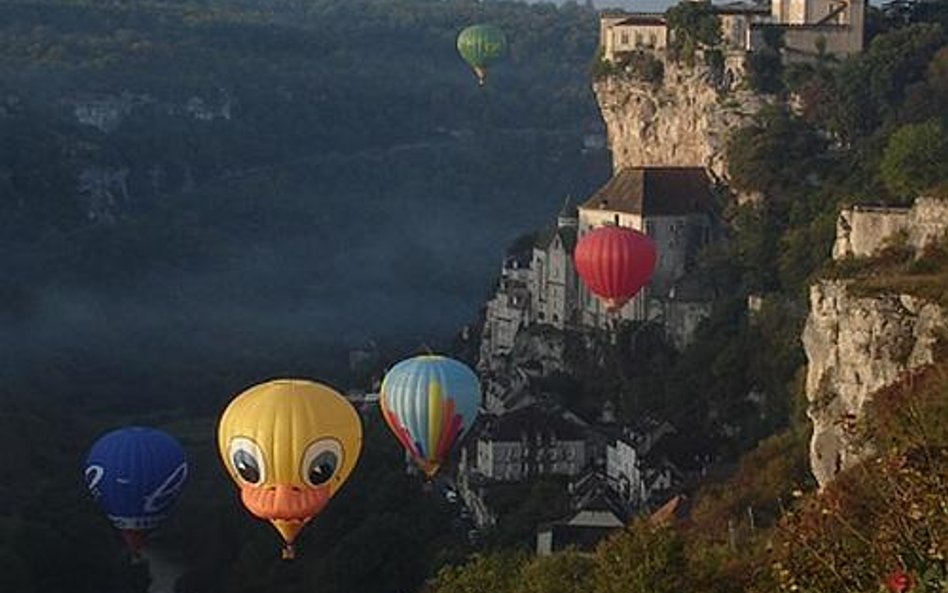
[863,231]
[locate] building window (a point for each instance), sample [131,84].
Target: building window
[624,38]
[616,219]
[652,40]
[638,39]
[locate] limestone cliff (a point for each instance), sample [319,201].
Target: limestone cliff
[682,121]
[855,345]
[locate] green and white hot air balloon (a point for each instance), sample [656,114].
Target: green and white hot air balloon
[481,46]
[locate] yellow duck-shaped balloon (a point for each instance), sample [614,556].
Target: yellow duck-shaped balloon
[289,444]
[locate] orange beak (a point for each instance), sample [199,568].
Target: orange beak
[289,508]
[284,502]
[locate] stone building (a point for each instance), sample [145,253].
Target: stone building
[539,285]
[673,206]
[807,28]
[530,442]
[509,310]
[624,32]
[553,282]
[864,230]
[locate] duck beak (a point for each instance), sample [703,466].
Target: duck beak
[289,508]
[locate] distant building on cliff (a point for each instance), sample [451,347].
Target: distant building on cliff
[806,28]
[538,282]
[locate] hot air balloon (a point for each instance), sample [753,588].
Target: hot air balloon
[136,474]
[615,263]
[289,444]
[481,46]
[429,402]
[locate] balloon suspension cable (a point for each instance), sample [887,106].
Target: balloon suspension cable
[481,75]
[289,552]
[613,317]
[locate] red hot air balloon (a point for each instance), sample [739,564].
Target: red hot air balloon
[615,263]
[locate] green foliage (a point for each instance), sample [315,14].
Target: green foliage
[640,559]
[764,480]
[565,572]
[916,158]
[765,71]
[692,26]
[641,65]
[496,572]
[776,152]
[868,89]
[898,269]
[848,536]
[521,507]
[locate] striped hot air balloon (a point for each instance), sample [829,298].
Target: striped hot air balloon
[429,402]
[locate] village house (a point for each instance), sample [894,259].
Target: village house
[530,442]
[624,32]
[553,282]
[595,514]
[509,310]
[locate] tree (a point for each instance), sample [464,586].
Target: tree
[496,572]
[640,559]
[566,572]
[770,154]
[916,158]
[692,26]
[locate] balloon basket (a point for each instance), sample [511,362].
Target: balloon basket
[288,552]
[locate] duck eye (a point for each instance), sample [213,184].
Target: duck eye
[320,461]
[247,460]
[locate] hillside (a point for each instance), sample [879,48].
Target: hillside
[822,380]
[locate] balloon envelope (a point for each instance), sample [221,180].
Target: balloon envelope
[289,445]
[615,263]
[481,46]
[429,402]
[136,474]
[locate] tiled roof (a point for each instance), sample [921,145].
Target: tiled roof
[653,20]
[741,8]
[532,420]
[567,236]
[655,191]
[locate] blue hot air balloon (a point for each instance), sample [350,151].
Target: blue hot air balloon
[136,474]
[429,402]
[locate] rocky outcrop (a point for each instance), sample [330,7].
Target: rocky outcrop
[856,345]
[682,121]
[106,112]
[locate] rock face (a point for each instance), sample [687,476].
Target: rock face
[856,345]
[682,121]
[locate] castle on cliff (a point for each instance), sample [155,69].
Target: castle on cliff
[806,28]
